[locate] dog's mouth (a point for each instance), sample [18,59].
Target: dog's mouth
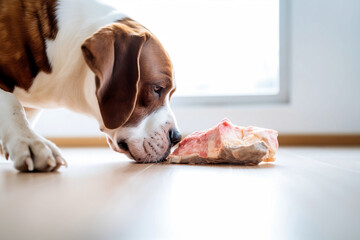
[125,149]
[123,145]
[154,147]
[145,152]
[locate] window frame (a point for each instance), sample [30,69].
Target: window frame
[281,97]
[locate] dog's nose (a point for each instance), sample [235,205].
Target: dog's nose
[174,136]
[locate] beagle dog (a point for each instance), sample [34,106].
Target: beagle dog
[87,57]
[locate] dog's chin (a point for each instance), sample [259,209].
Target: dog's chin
[143,159]
[119,150]
[155,159]
[148,151]
[143,151]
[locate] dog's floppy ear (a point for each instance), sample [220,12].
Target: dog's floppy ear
[113,55]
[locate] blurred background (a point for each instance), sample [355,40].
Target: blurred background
[290,65]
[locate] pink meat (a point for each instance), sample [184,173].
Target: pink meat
[221,141]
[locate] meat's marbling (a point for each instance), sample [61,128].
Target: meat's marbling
[227,143]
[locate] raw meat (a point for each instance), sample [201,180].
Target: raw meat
[227,143]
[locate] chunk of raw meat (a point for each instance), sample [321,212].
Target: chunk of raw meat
[227,143]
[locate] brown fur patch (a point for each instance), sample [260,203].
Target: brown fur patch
[112,53]
[24,27]
[128,62]
[155,69]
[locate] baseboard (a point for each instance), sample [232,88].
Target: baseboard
[319,140]
[284,140]
[79,141]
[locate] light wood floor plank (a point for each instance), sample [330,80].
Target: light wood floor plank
[308,193]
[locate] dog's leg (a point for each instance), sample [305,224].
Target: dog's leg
[28,150]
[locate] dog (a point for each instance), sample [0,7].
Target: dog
[92,59]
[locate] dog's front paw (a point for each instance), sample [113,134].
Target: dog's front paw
[32,152]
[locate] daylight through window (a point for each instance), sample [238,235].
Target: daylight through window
[218,48]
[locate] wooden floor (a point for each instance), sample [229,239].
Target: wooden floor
[308,193]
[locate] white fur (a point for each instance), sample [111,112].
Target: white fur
[71,85]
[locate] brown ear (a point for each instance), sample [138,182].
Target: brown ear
[113,55]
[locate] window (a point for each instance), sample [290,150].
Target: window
[221,49]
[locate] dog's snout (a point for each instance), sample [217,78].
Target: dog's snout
[123,145]
[175,136]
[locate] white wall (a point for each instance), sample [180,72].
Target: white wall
[324,81]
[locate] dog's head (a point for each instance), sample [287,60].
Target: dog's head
[134,84]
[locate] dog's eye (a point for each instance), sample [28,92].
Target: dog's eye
[158,89]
